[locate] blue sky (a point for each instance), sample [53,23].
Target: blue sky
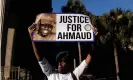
[96,7]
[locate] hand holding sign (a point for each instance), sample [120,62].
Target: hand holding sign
[95,31]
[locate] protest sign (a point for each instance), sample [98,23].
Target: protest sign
[63,27]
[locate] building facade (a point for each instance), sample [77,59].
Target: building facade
[16,47]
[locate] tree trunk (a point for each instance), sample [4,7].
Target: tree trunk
[116,62]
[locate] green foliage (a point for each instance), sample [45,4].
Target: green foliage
[75,6]
[118,22]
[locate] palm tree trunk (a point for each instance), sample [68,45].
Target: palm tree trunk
[116,63]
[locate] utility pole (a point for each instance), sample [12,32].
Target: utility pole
[79,50]
[74,61]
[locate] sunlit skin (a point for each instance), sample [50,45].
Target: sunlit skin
[45,30]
